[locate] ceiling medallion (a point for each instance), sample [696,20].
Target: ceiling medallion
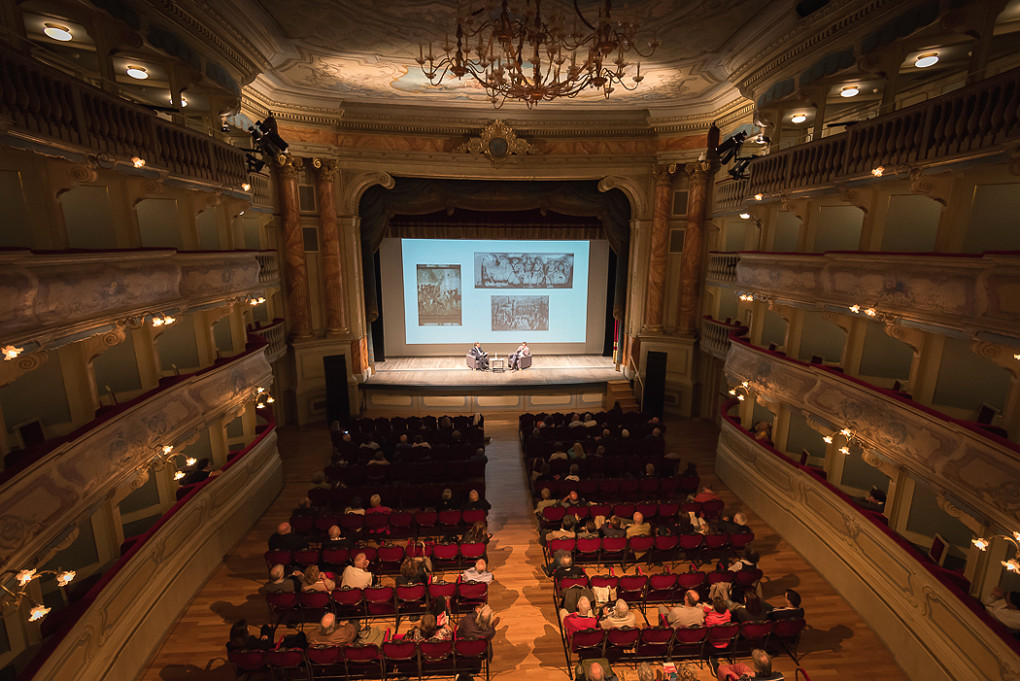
[499,143]
[515,52]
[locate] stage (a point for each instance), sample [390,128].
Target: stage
[437,385]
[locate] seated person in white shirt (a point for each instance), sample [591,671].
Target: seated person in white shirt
[357,575]
[478,573]
[1004,607]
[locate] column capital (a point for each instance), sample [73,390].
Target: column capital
[287,165]
[327,168]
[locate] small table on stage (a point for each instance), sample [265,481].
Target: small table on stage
[497,364]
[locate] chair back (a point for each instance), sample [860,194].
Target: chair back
[426,520]
[247,660]
[739,541]
[450,517]
[567,582]
[755,631]
[604,581]
[400,651]
[336,557]
[668,509]
[282,601]
[411,593]
[277,558]
[587,639]
[690,635]
[472,550]
[647,509]
[716,541]
[323,655]
[361,653]
[588,545]
[313,600]
[722,634]
[747,578]
[623,510]
[788,629]
[376,595]
[689,542]
[622,638]
[302,524]
[640,544]
[690,580]
[604,510]
[377,522]
[719,576]
[352,522]
[471,647]
[614,544]
[434,651]
[442,590]
[473,515]
[472,591]
[286,658]
[565,544]
[446,552]
[348,596]
[306,557]
[390,554]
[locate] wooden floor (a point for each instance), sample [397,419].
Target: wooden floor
[837,643]
[444,372]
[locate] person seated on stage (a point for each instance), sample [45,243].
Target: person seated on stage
[481,357]
[737,524]
[478,532]
[313,580]
[597,673]
[546,501]
[690,614]
[514,360]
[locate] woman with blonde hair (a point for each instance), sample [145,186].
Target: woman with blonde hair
[477,532]
[478,624]
[313,580]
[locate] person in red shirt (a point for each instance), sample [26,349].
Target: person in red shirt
[582,619]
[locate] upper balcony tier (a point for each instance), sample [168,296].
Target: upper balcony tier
[41,501]
[48,298]
[976,468]
[972,294]
[974,122]
[41,107]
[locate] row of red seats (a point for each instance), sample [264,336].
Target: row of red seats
[552,516]
[395,523]
[385,559]
[414,471]
[663,588]
[620,488]
[671,548]
[395,495]
[394,659]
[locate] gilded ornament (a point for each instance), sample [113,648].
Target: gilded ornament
[499,143]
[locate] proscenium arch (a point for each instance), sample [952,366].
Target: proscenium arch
[415,196]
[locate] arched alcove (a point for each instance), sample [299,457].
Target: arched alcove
[884,356]
[820,337]
[911,224]
[116,370]
[158,223]
[88,218]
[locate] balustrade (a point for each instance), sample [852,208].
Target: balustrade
[47,104]
[967,122]
[722,267]
[715,335]
[730,195]
[275,334]
[269,266]
[261,191]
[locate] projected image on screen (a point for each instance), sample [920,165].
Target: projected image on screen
[524,270]
[520,313]
[439,295]
[461,291]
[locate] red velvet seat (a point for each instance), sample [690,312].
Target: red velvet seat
[348,602]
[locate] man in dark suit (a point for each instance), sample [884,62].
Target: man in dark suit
[481,356]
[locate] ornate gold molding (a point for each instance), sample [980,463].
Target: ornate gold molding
[499,143]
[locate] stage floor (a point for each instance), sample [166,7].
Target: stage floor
[451,372]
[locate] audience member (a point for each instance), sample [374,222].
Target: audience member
[614,528]
[565,568]
[319,481]
[285,540]
[357,575]
[747,561]
[446,501]
[566,530]
[588,530]
[737,524]
[572,499]
[576,451]
[314,580]
[200,473]
[1003,607]
[304,508]
[690,614]
[414,570]
[618,617]
[574,474]
[874,501]
[715,614]
[545,501]
[476,502]
[733,672]
[241,639]
[790,610]
[378,459]
[597,673]
[704,495]
[582,619]
[355,507]
[478,573]
[429,630]
[479,531]
[333,633]
[375,505]
[279,582]
[479,623]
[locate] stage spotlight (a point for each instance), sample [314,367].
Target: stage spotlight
[739,169]
[254,163]
[269,136]
[731,147]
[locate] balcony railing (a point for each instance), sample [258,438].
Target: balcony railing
[972,465]
[722,267]
[275,334]
[67,477]
[262,195]
[50,295]
[966,123]
[47,104]
[972,293]
[730,195]
[715,335]
[921,606]
[269,267]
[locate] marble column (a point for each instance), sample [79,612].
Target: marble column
[699,175]
[329,248]
[655,289]
[295,270]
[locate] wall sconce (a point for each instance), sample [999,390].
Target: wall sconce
[11,352]
[747,297]
[257,301]
[262,398]
[163,320]
[869,311]
[1011,564]
[850,437]
[744,386]
[245,186]
[12,599]
[137,162]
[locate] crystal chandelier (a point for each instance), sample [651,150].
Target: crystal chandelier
[515,53]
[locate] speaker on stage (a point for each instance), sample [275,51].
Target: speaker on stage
[338,404]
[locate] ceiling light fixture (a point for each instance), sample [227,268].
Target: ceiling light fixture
[1011,564]
[515,53]
[850,91]
[745,216]
[137,72]
[11,352]
[57,32]
[11,598]
[798,118]
[138,161]
[245,186]
[923,61]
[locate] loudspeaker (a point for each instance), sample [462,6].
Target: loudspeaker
[655,384]
[338,404]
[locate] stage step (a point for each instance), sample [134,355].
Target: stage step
[620,391]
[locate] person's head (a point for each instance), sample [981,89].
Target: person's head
[753,604]
[202,464]
[283,528]
[876,496]
[355,502]
[483,616]
[793,598]
[583,606]
[624,433]
[762,662]
[638,518]
[621,608]
[740,519]
[473,495]
[596,672]
[418,439]
[402,439]
[645,672]
[751,555]
[311,574]
[375,500]
[361,561]
[590,525]
[616,522]
[649,468]
[575,418]
[327,624]
[575,469]
[276,572]
[656,432]
[719,604]
[409,568]
[546,493]
[569,522]
[481,565]
[427,625]
[447,494]
[566,560]
[239,632]
[305,503]
[318,478]
[334,532]
[477,344]
[691,598]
